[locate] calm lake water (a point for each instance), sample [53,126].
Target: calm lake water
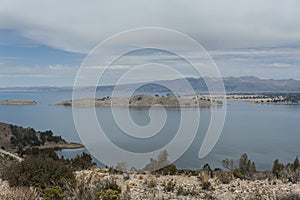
[264,132]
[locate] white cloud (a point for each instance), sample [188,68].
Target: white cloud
[56,67]
[78,26]
[110,67]
[281,65]
[275,63]
[37,71]
[234,31]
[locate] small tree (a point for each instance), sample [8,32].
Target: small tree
[277,168]
[207,170]
[296,164]
[244,163]
[229,164]
[163,159]
[246,167]
[121,166]
[158,163]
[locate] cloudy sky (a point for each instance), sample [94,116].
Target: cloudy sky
[45,42]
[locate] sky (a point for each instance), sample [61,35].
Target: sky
[43,43]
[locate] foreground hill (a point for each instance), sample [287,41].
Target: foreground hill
[185,186]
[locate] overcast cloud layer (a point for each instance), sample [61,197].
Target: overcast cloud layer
[44,42]
[77,26]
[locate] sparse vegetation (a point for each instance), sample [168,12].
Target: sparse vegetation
[43,169]
[289,172]
[245,168]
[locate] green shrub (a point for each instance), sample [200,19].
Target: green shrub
[152,183]
[109,195]
[82,162]
[180,190]
[53,193]
[43,169]
[168,170]
[224,176]
[170,186]
[206,185]
[112,185]
[38,172]
[238,174]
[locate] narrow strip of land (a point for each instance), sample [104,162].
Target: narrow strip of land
[17,102]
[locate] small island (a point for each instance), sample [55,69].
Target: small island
[143,100]
[17,102]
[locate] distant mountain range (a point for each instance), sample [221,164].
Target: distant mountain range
[246,84]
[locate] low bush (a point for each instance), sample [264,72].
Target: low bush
[238,174]
[170,186]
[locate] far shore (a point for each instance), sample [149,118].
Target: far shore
[264,99]
[17,102]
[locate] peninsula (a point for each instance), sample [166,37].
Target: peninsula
[13,138]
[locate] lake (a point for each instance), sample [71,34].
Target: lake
[264,132]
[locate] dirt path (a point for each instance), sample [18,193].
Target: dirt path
[11,154]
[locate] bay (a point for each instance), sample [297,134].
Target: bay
[264,132]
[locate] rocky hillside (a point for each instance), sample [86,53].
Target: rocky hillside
[193,186]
